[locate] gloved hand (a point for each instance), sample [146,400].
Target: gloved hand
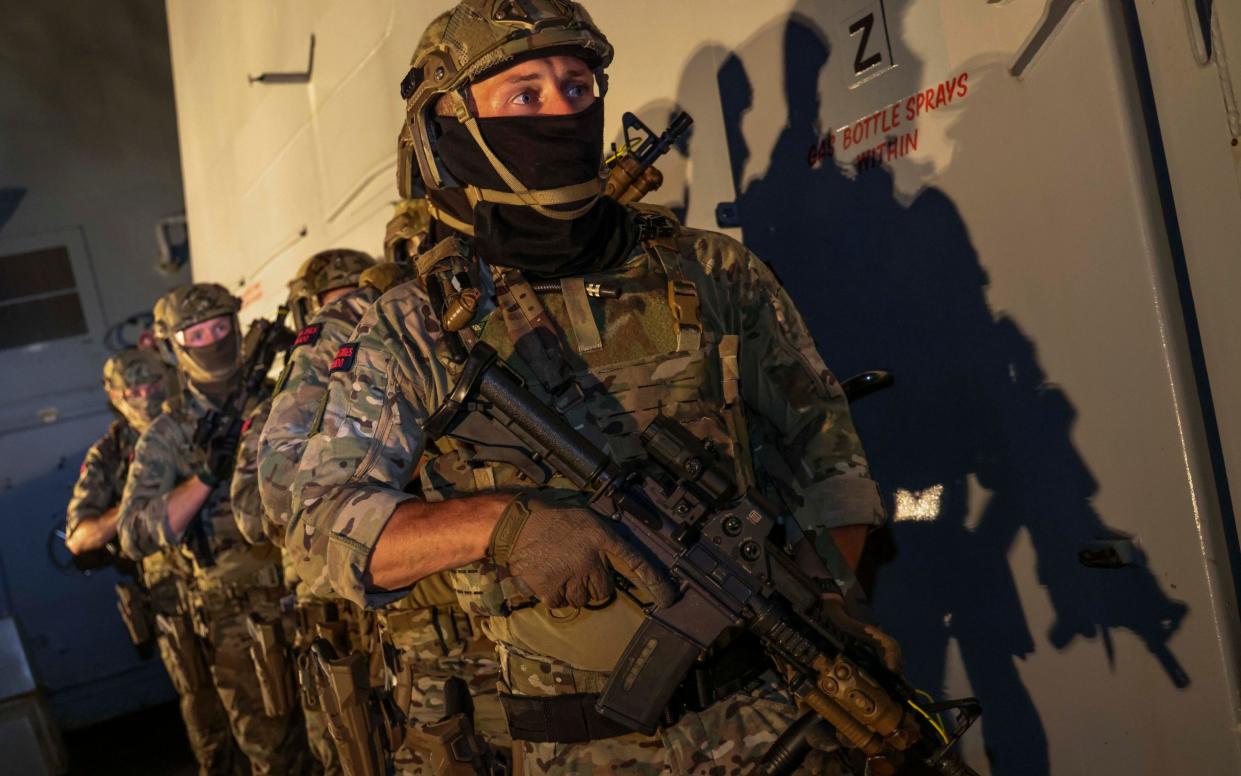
[833,610]
[221,456]
[561,550]
[824,757]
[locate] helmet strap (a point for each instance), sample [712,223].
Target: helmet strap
[538,200]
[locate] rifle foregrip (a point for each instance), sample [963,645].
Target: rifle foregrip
[653,664]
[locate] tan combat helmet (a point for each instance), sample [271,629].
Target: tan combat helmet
[134,369]
[192,304]
[407,230]
[472,40]
[325,271]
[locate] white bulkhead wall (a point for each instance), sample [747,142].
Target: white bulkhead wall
[1003,252]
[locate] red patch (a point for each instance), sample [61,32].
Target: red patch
[344,358]
[308,335]
[82,468]
[246,426]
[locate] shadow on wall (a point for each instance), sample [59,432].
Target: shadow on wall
[972,406]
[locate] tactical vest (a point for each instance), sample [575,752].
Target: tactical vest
[610,365]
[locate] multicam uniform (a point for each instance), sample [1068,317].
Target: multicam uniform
[248,511]
[231,577]
[429,637]
[99,487]
[701,332]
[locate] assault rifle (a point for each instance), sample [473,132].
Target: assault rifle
[631,174]
[729,554]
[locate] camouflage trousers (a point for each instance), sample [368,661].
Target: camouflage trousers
[726,739]
[273,745]
[206,724]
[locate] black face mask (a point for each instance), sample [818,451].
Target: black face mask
[543,152]
[217,362]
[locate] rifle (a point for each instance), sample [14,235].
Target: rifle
[631,175]
[730,556]
[266,339]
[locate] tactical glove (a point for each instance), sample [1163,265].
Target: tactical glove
[823,759]
[564,552]
[883,645]
[221,456]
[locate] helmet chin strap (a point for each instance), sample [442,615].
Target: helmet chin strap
[538,200]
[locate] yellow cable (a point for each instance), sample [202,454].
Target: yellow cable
[930,699]
[938,728]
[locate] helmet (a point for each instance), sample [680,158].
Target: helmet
[132,368]
[407,230]
[473,39]
[192,304]
[325,271]
[187,305]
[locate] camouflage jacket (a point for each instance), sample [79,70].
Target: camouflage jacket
[101,480]
[244,487]
[299,393]
[100,485]
[702,331]
[164,458]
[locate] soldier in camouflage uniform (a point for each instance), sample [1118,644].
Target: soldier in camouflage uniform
[324,289]
[429,638]
[136,382]
[177,497]
[507,136]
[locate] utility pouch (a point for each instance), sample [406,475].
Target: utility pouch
[345,696]
[135,608]
[271,665]
[182,653]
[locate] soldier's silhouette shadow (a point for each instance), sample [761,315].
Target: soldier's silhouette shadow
[897,284]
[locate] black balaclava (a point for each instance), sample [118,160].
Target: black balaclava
[543,152]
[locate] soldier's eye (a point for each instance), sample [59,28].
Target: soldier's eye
[524,98]
[576,91]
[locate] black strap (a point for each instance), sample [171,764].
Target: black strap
[562,719]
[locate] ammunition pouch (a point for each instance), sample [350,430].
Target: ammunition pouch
[345,697]
[272,666]
[135,608]
[182,653]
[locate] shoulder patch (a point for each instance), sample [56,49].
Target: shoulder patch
[343,361]
[308,335]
